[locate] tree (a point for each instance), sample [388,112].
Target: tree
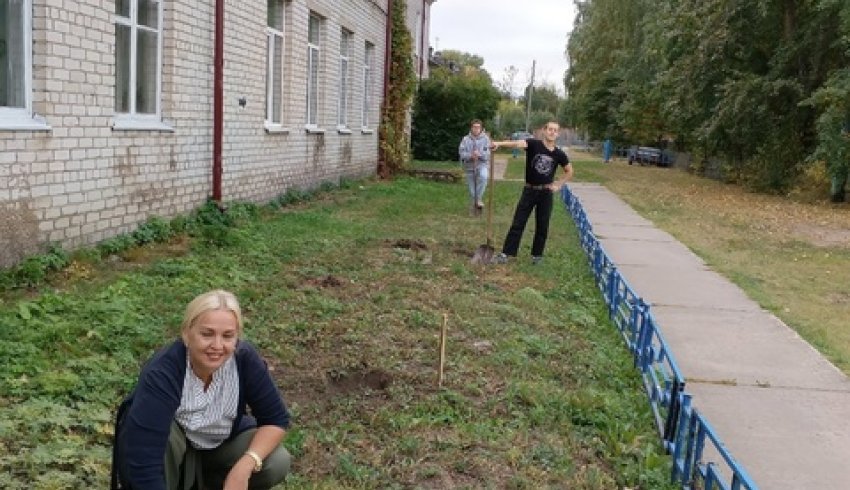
[511,117]
[462,59]
[544,98]
[833,128]
[506,85]
[726,78]
[444,106]
[394,141]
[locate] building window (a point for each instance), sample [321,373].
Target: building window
[138,54]
[368,61]
[344,56]
[16,66]
[274,67]
[313,46]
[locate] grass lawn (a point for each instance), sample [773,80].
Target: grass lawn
[793,258]
[345,295]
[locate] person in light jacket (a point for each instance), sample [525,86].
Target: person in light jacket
[474,152]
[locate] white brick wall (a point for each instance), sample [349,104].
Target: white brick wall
[82,181]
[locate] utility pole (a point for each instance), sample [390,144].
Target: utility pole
[530,93]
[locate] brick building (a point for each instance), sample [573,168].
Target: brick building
[107,107]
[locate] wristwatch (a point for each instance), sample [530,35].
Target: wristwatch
[258,461]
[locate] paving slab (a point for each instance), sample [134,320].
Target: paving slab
[746,348]
[786,439]
[629,232]
[642,252]
[685,286]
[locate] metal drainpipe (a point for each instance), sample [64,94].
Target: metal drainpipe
[382,161]
[422,59]
[389,52]
[218,100]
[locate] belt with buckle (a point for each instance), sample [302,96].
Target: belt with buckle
[537,187]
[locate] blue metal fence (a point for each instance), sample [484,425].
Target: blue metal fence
[684,431]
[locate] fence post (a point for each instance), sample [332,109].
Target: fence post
[613,287]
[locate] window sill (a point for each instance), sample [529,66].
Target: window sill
[314,129]
[275,128]
[367,130]
[343,130]
[23,122]
[140,124]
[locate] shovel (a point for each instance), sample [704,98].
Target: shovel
[476,211]
[484,253]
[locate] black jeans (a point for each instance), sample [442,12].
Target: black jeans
[539,200]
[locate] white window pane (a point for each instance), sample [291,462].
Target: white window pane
[274,14]
[344,42]
[146,70]
[313,86]
[276,80]
[12,59]
[122,68]
[313,30]
[149,13]
[122,7]
[343,92]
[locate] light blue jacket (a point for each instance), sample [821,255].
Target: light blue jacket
[470,143]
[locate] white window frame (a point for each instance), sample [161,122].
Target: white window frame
[271,125]
[23,118]
[346,37]
[132,120]
[368,83]
[314,68]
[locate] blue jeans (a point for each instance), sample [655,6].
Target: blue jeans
[479,185]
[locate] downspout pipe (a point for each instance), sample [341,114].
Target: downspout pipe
[218,100]
[422,54]
[388,56]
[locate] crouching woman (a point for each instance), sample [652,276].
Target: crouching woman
[185,425]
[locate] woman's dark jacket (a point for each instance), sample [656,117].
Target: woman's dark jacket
[144,418]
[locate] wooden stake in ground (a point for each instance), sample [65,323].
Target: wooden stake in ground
[442,362]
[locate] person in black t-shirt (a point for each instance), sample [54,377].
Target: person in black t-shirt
[542,159]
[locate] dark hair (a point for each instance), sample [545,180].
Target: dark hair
[476,121]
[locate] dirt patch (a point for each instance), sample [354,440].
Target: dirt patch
[353,381]
[408,244]
[328,281]
[839,298]
[822,236]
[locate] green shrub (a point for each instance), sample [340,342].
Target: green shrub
[155,229]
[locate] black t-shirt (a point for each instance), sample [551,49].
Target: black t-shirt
[541,164]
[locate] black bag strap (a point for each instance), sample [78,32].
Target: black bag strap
[115,479]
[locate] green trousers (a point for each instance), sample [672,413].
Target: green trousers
[187,468]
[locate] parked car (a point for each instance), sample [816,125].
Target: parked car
[647,155]
[521,135]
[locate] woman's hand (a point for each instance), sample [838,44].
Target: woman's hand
[239,475]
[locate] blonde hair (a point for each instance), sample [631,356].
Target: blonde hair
[217,299]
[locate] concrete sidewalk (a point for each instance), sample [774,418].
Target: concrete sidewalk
[781,409]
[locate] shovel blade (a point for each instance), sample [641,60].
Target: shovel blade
[483,255]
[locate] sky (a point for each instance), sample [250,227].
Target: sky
[505,33]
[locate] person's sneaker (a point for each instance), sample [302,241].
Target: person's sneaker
[479,204]
[536,259]
[500,258]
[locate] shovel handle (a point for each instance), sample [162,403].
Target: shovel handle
[489,231]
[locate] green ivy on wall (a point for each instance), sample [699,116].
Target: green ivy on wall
[394,140]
